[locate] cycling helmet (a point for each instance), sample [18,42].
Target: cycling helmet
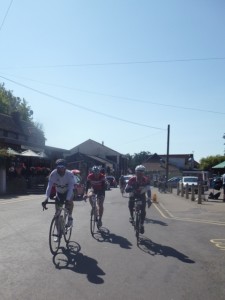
[60,163]
[140,168]
[95,170]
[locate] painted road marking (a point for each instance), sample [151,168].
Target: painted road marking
[170,216]
[166,210]
[219,243]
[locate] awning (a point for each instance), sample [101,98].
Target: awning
[219,166]
[29,153]
[10,151]
[42,154]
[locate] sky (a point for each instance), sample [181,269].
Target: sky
[136,75]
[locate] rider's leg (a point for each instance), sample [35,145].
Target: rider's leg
[131,207]
[101,198]
[69,206]
[143,211]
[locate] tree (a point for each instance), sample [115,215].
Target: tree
[137,159]
[10,104]
[208,162]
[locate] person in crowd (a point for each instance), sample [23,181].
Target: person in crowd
[122,183]
[139,186]
[63,181]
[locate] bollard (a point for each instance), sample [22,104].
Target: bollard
[182,190]
[187,191]
[199,194]
[192,193]
[178,189]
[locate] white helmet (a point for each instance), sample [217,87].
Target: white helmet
[140,168]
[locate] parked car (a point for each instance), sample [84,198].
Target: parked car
[112,181]
[127,177]
[79,188]
[173,182]
[189,180]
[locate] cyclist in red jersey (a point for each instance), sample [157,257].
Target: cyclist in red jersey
[96,184]
[139,186]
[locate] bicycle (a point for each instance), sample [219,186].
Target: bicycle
[58,226]
[137,218]
[94,214]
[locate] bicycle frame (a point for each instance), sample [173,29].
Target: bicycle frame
[137,217]
[58,228]
[94,213]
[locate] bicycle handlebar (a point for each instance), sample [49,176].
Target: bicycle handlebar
[44,203]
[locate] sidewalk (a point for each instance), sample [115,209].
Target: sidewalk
[177,206]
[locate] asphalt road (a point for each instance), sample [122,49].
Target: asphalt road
[181,255]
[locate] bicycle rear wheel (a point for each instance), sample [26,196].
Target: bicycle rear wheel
[67,230]
[54,236]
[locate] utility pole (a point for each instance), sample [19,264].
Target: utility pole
[167,153]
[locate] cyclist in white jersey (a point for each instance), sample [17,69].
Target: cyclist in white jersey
[63,181]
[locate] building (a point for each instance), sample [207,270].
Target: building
[93,153]
[19,170]
[156,165]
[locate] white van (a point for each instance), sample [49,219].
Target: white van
[189,180]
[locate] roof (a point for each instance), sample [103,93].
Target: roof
[90,142]
[101,160]
[219,166]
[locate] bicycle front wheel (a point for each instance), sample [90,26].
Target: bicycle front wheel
[54,236]
[137,226]
[67,231]
[93,223]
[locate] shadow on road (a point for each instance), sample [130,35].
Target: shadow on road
[70,258]
[152,248]
[104,235]
[152,221]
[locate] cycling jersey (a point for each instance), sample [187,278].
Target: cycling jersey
[138,187]
[97,183]
[63,184]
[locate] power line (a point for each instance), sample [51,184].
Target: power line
[127,98]
[121,63]
[82,107]
[6,15]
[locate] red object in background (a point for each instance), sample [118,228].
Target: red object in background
[79,188]
[75,171]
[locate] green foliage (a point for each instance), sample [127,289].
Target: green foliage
[208,162]
[3,152]
[10,104]
[137,159]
